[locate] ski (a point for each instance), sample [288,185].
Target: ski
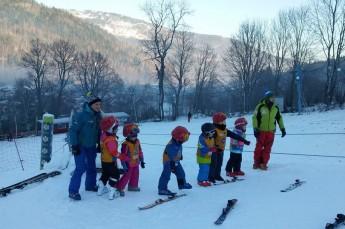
[161,201]
[20,185]
[225,211]
[227,181]
[293,186]
[340,219]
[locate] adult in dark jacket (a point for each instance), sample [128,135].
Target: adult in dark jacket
[265,117]
[189,116]
[84,136]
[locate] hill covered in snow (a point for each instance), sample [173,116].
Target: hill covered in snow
[312,151]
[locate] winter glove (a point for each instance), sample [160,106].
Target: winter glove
[124,166]
[247,143]
[256,133]
[75,150]
[98,148]
[283,132]
[173,165]
[142,164]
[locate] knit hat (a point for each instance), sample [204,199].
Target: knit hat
[268,94]
[93,99]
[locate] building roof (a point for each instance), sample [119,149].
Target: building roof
[65,120]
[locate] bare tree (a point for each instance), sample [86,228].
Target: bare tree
[24,104]
[63,60]
[35,60]
[205,73]
[279,43]
[165,17]
[180,65]
[94,73]
[300,43]
[247,56]
[329,18]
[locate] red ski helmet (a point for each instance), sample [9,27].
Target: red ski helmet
[240,122]
[219,117]
[180,134]
[130,129]
[108,123]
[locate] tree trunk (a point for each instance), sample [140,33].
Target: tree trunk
[161,90]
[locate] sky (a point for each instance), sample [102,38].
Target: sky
[217,17]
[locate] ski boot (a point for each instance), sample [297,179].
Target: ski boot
[101,188]
[74,196]
[166,192]
[133,189]
[240,173]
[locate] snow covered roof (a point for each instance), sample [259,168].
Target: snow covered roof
[64,120]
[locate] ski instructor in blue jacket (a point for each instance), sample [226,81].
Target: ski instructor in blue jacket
[84,135]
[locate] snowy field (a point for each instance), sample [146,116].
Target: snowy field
[260,205]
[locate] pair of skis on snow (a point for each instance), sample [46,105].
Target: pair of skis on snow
[293,186]
[220,220]
[175,196]
[20,185]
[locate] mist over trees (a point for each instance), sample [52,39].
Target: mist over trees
[305,42]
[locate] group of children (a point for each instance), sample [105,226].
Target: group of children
[210,151]
[131,156]
[211,147]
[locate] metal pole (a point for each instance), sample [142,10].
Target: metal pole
[20,159]
[299,88]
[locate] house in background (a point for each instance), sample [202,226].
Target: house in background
[61,125]
[123,117]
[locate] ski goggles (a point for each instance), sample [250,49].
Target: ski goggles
[210,133]
[135,130]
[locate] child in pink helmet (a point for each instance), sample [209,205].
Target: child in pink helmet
[233,166]
[131,157]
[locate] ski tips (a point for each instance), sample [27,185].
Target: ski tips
[232,201]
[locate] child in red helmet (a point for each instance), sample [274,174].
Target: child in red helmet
[233,167]
[109,153]
[171,162]
[219,121]
[131,157]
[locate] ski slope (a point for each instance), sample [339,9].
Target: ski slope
[260,204]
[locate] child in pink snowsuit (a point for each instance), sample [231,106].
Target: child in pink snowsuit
[131,156]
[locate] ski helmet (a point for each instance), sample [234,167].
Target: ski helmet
[130,130]
[218,117]
[180,134]
[240,122]
[208,129]
[108,123]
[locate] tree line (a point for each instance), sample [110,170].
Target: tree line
[273,55]
[304,44]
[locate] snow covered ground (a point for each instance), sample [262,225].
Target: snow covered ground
[260,205]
